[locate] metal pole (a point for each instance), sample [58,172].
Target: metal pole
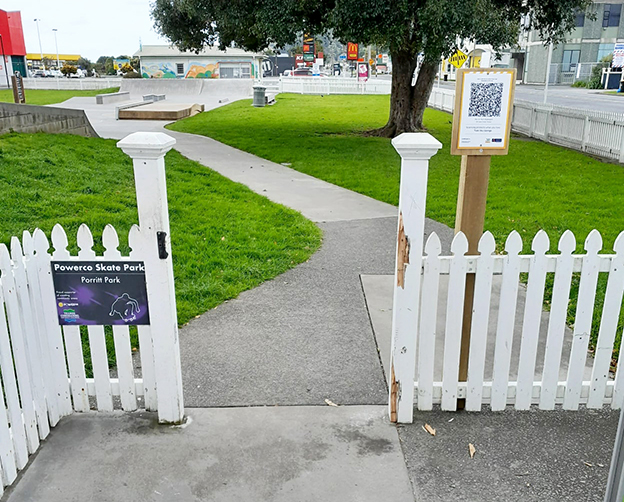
[40,49]
[6,68]
[550,50]
[615,483]
[58,63]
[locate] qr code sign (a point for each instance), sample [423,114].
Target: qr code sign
[485,100]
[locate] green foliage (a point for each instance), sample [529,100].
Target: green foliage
[580,83]
[50,97]
[321,136]
[132,74]
[68,69]
[596,74]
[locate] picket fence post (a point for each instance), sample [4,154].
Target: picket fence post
[147,151]
[415,150]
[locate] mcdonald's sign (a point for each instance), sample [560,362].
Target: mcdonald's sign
[352,51]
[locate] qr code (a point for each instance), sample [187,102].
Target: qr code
[485,100]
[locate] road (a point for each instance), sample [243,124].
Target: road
[572,97]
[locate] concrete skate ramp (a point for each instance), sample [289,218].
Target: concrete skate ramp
[231,88]
[161,110]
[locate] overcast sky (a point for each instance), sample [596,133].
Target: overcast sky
[91,28]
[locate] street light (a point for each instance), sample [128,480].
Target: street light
[39,36]
[58,63]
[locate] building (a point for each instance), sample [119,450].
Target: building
[50,60]
[587,44]
[12,45]
[161,61]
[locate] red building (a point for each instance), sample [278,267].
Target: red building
[12,43]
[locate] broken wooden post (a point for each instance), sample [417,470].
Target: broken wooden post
[415,150]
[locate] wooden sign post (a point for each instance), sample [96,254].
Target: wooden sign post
[17,81]
[481,128]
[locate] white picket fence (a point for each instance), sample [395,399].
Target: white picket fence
[426,346]
[526,386]
[71,83]
[43,370]
[594,132]
[333,85]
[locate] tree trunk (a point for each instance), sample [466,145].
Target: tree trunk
[422,91]
[407,102]
[401,95]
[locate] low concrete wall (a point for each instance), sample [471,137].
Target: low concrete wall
[112,97]
[33,118]
[189,86]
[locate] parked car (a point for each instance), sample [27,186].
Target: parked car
[287,73]
[302,72]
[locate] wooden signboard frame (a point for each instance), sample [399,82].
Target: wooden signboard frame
[462,93]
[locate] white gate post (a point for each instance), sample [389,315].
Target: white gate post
[415,150]
[147,151]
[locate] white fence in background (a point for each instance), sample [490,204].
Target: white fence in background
[426,346]
[43,366]
[594,132]
[333,85]
[71,83]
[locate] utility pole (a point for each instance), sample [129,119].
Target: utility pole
[58,63]
[40,49]
[550,50]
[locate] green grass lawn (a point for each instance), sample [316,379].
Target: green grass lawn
[225,238]
[50,97]
[537,186]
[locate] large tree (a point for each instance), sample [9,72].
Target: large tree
[431,28]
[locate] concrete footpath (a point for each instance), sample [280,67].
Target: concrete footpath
[257,372]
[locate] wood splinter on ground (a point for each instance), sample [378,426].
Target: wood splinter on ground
[472,450]
[330,403]
[429,429]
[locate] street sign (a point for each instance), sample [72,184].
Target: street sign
[342,56]
[618,56]
[371,62]
[18,88]
[458,59]
[352,51]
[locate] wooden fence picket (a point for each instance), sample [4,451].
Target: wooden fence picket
[454,318]
[480,318]
[9,384]
[557,320]
[428,322]
[506,321]
[73,343]
[531,321]
[20,354]
[7,450]
[97,339]
[53,333]
[608,327]
[583,321]
[146,350]
[121,334]
[31,342]
[39,322]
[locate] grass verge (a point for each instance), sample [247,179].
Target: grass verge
[50,97]
[225,238]
[537,186]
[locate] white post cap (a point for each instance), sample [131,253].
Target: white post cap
[146,145]
[416,145]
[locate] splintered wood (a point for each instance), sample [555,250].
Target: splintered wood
[429,429]
[394,395]
[402,254]
[472,450]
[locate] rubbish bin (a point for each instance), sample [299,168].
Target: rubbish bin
[446,77]
[259,95]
